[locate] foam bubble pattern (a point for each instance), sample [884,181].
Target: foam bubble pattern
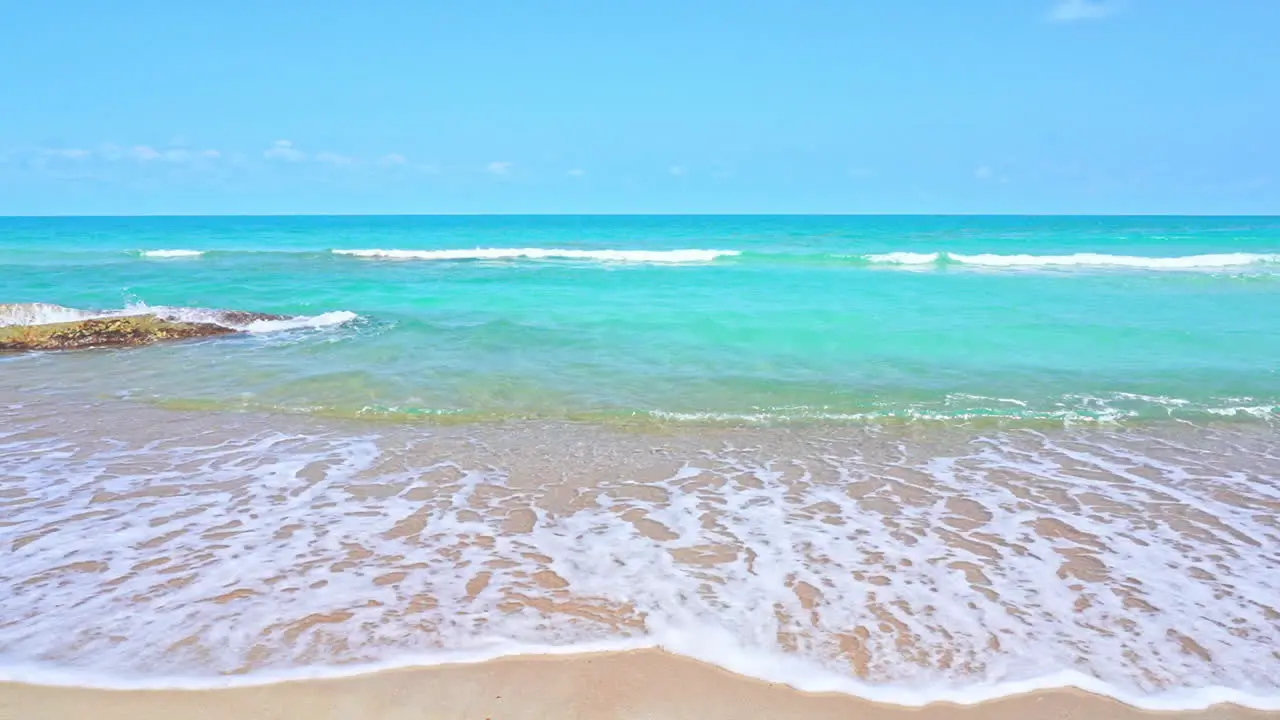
[902,567]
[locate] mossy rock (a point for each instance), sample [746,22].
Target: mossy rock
[124,331]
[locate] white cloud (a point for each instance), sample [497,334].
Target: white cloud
[333,158]
[69,153]
[499,167]
[194,156]
[576,172]
[284,150]
[1066,11]
[676,170]
[989,174]
[145,153]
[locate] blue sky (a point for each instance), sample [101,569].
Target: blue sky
[921,106]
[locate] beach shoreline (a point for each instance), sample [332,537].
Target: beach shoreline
[623,685]
[276,553]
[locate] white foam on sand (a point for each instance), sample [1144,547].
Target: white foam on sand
[1132,567]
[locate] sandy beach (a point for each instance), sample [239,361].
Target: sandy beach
[643,684]
[199,545]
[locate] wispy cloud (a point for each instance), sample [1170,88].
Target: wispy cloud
[576,172]
[288,151]
[676,170]
[1068,11]
[185,155]
[989,174]
[284,150]
[109,159]
[501,168]
[69,153]
[333,158]
[145,153]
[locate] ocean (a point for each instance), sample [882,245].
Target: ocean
[910,458]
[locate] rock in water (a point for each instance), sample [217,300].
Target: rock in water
[122,331]
[242,318]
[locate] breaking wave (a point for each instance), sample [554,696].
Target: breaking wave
[617,256]
[47,314]
[1097,260]
[171,253]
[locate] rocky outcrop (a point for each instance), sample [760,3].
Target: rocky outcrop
[119,331]
[44,326]
[242,318]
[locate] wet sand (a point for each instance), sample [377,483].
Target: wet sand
[642,684]
[140,543]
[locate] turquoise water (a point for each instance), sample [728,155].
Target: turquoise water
[835,318]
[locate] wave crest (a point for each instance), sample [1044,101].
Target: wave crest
[171,253]
[994,260]
[914,260]
[619,256]
[48,314]
[41,314]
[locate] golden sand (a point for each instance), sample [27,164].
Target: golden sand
[625,686]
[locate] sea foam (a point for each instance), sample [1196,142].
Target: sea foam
[613,256]
[172,253]
[1083,260]
[46,314]
[900,259]
[41,314]
[172,549]
[232,319]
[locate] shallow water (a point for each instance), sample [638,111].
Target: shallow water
[754,319]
